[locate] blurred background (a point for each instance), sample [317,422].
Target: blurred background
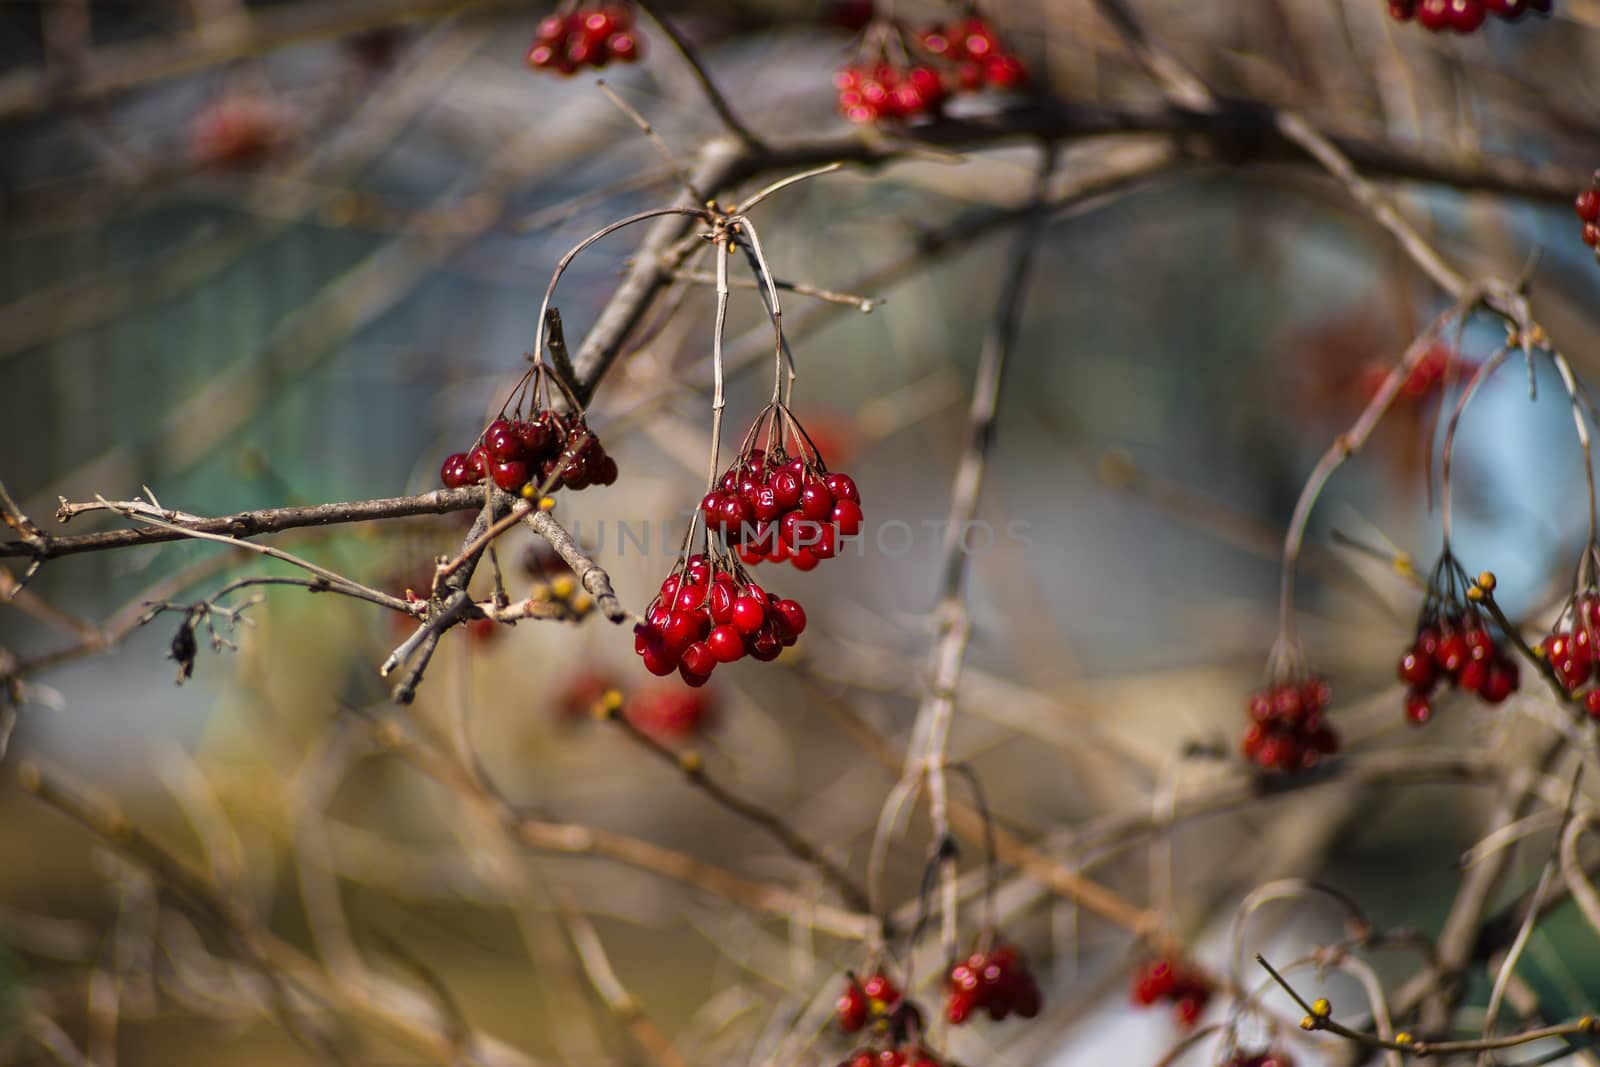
[257,254]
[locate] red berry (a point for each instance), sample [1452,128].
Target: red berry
[847,517]
[1416,669]
[764,644]
[1591,234]
[851,1010]
[1591,703]
[1500,683]
[624,47]
[1452,653]
[748,614]
[726,643]
[793,615]
[552,28]
[456,472]
[510,476]
[1588,205]
[1466,15]
[699,659]
[879,987]
[1004,71]
[1434,14]
[1418,708]
[842,487]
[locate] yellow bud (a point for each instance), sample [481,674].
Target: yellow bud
[690,762]
[1308,1023]
[563,587]
[547,503]
[612,699]
[1321,1007]
[528,492]
[583,603]
[539,593]
[1403,1038]
[1487,581]
[1474,593]
[1587,1024]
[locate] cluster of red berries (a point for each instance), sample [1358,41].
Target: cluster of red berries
[1269,1058]
[1588,207]
[873,997]
[526,454]
[709,612]
[1462,16]
[997,980]
[778,508]
[1426,375]
[912,77]
[1170,979]
[1571,651]
[666,713]
[1459,649]
[1288,728]
[589,36]
[1454,645]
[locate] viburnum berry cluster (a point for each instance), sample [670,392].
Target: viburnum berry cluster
[776,506]
[708,612]
[1570,649]
[667,713]
[1269,1058]
[586,35]
[872,998]
[1453,644]
[1288,729]
[546,450]
[1425,378]
[996,980]
[902,75]
[1462,16]
[1588,208]
[1171,979]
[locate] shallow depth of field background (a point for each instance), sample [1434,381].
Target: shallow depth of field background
[329,324]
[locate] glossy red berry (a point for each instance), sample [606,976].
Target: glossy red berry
[793,615]
[510,476]
[851,1009]
[726,643]
[502,441]
[842,487]
[847,517]
[1588,205]
[456,472]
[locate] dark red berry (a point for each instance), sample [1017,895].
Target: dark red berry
[1588,205]
[456,472]
[510,476]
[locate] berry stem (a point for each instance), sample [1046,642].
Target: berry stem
[1343,447]
[718,400]
[578,249]
[925,757]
